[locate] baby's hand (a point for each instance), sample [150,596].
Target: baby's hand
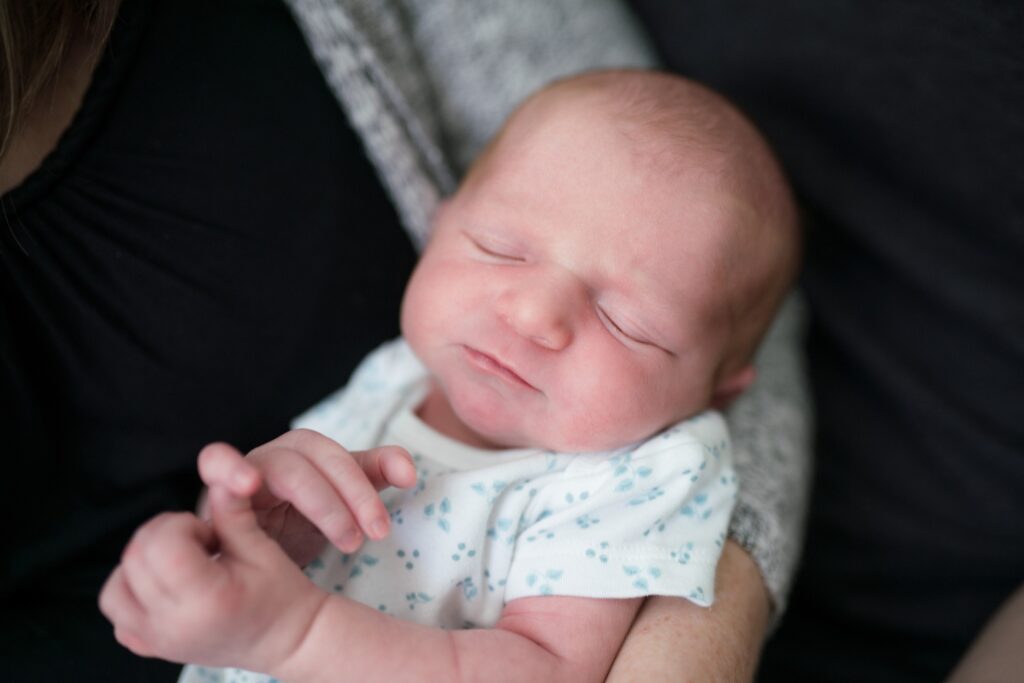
[305,487]
[221,595]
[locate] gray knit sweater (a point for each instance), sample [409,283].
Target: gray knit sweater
[426,83]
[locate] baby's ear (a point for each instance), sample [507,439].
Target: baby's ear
[732,385]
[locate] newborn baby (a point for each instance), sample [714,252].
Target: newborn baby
[596,287]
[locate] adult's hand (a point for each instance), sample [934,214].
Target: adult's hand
[307,489]
[674,640]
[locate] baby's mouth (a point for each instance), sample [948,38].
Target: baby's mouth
[492,365]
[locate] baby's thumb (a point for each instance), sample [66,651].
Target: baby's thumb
[234,522]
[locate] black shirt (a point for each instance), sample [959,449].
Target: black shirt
[901,125]
[206,253]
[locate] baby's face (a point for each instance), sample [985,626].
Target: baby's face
[569,299]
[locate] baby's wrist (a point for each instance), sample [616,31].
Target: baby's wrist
[292,660]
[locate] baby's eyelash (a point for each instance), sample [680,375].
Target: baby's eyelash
[618,328]
[638,340]
[491,252]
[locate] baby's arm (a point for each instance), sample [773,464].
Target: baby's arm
[537,639]
[226,595]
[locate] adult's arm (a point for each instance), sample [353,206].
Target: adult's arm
[722,642]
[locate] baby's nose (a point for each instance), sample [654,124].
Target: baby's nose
[542,310]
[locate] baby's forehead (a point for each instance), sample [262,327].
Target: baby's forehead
[694,136]
[680,178]
[684,144]
[648,105]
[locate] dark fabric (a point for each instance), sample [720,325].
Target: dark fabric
[902,127]
[207,253]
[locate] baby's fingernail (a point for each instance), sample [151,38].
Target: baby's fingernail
[378,528]
[350,539]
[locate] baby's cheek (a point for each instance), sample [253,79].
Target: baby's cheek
[606,409]
[433,297]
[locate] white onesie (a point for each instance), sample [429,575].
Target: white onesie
[481,528]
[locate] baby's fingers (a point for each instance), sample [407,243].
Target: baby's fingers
[359,493]
[167,561]
[343,473]
[121,607]
[292,476]
[387,466]
[221,464]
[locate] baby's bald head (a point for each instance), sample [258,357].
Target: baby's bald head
[679,129]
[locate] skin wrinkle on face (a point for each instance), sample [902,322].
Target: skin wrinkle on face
[558,229]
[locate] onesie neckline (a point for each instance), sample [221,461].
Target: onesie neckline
[410,431]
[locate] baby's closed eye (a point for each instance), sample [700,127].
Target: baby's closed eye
[495,248]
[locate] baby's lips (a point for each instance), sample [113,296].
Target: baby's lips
[497,367]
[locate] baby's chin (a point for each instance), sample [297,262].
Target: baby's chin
[550,440]
[486,434]
[589,444]
[496,431]
[593,440]
[496,428]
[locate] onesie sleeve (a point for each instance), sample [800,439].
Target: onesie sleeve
[637,522]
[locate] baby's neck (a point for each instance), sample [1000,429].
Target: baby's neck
[437,413]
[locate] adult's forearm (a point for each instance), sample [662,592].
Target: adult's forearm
[674,640]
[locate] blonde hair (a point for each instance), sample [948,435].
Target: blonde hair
[35,36]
